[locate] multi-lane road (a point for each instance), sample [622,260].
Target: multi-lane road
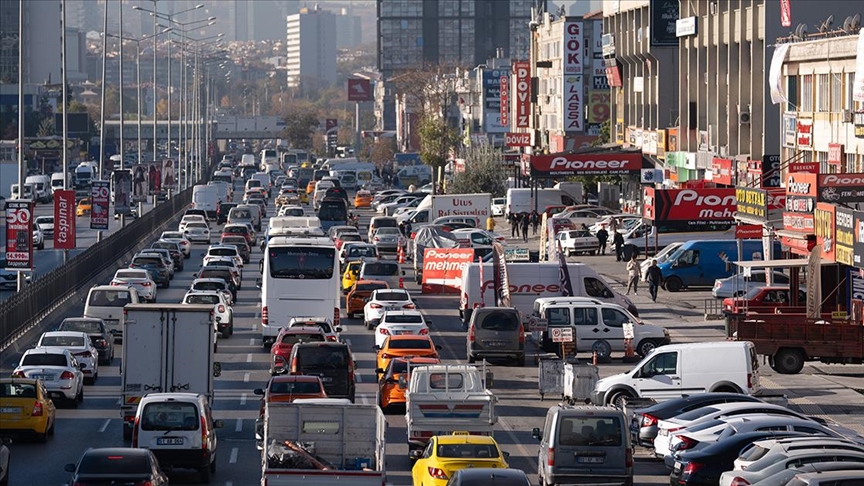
[96,423]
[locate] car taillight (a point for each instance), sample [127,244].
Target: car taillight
[84,354]
[648,420]
[749,380]
[739,481]
[550,456]
[383,331]
[115,283]
[628,458]
[437,473]
[264,316]
[685,443]
[375,306]
[135,432]
[37,409]
[18,374]
[203,433]
[471,334]
[375,239]
[145,284]
[424,331]
[409,306]
[331,338]
[337,318]
[401,283]
[67,375]
[144,483]
[693,467]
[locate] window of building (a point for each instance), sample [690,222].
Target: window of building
[822,158]
[848,86]
[836,92]
[806,92]
[792,93]
[823,93]
[851,164]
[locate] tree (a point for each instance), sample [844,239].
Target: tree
[46,128]
[299,128]
[383,151]
[437,139]
[484,173]
[604,137]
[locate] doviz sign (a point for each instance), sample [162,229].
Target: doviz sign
[561,334]
[517,139]
[19,234]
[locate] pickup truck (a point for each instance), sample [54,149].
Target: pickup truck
[441,399]
[323,442]
[789,340]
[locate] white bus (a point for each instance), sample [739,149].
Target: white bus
[300,277]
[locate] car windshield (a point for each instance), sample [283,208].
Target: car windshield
[322,356]
[377,268]
[350,237]
[403,318]
[332,212]
[147,261]
[302,262]
[325,326]
[409,344]
[164,245]
[172,234]
[498,321]
[388,232]
[209,285]
[292,338]
[108,464]
[392,296]
[368,287]
[222,252]
[81,326]
[43,359]
[589,431]
[62,341]
[109,298]
[240,230]
[385,223]
[197,225]
[130,274]
[302,387]
[361,251]
[203,299]
[170,416]
[474,451]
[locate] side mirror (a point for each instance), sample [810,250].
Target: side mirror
[69,468]
[261,266]
[490,379]
[438,347]
[403,272]
[375,347]
[380,371]
[218,424]
[258,391]
[506,454]
[415,454]
[338,328]
[403,382]
[535,433]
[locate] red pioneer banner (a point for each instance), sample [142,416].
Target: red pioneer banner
[522,72]
[696,207]
[19,234]
[723,171]
[64,220]
[442,268]
[585,164]
[841,188]
[748,232]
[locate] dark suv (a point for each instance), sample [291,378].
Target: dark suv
[173,249]
[212,271]
[157,267]
[333,362]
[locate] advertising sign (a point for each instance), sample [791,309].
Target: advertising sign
[752,203]
[522,71]
[571,114]
[811,167]
[805,133]
[443,266]
[517,139]
[64,220]
[844,237]
[169,179]
[858,83]
[814,283]
[770,171]
[823,219]
[19,234]
[359,90]
[505,100]
[696,207]
[801,191]
[500,277]
[855,285]
[785,13]
[858,239]
[140,184]
[841,188]
[664,17]
[585,164]
[685,27]
[748,232]
[122,186]
[598,106]
[613,76]
[100,194]
[790,128]
[154,178]
[723,171]
[572,47]
[492,88]
[836,154]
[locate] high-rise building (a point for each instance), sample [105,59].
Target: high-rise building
[412,33]
[41,62]
[349,31]
[311,47]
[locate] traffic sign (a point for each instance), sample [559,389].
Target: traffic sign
[627,327]
[562,335]
[537,324]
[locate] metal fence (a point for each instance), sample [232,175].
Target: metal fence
[25,308]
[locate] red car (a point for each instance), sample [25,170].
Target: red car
[285,341]
[346,237]
[764,300]
[239,230]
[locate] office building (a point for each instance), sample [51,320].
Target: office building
[311,47]
[41,39]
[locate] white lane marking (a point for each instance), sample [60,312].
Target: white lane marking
[118,402]
[104,425]
[233,458]
[249,358]
[251,341]
[357,378]
[246,378]
[239,426]
[243,399]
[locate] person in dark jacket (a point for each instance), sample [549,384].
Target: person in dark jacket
[514,223]
[655,278]
[602,236]
[535,221]
[618,243]
[525,220]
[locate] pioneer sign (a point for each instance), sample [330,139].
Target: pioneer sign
[585,164]
[841,188]
[692,207]
[801,192]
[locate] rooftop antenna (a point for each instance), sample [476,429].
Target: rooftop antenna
[801,31]
[826,24]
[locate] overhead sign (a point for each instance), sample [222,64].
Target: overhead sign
[841,188]
[64,219]
[517,139]
[586,164]
[522,111]
[695,207]
[505,100]
[844,237]
[359,90]
[19,234]
[811,167]
[100,194]
[443,266]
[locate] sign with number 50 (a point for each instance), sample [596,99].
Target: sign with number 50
[19,234]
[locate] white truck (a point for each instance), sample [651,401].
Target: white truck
[85,174]
[323,442]
[434,207]
[59,179]
[166,348]
[441,399]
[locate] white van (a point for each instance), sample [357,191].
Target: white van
[42,186]
[573,189]
[684,369]
[520,200]
[106,302]
[320,190]
[205,198]
[528,281]
[180,430]
[59,179]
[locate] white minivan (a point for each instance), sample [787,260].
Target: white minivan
[678,370]
[529,281]
[106,302]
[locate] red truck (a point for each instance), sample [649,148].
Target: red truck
[789,340]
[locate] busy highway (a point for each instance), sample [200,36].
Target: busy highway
[825,390]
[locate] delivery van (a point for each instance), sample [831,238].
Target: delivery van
[520,200]
[698,263]
[529,281]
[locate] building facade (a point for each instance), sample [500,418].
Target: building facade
[349,30]
[41,39]
[311,47]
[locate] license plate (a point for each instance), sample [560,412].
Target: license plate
[169,441]
[326,379]
[403,332]
[589,460]
[44,377]
[677,467]
[15,410]
[663,432]
[391,308]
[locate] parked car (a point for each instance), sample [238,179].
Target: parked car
[58,369]
[98,332]
[738,285]
[118,464]
[574,242]
[78,343]
[763,300]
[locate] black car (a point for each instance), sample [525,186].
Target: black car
[222,211]
[118,465]
[224,273]
[337,192]
[487,476]
[100,336]
[333,362]
[704,466]
[156,266]
[175,251]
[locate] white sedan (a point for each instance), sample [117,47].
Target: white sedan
[212,284]
[58,369]
[397,323]
[177,237]
[228,251]
[46,224]
[199,232]
[78,343]
[222,310]
[383,300]
[139,279]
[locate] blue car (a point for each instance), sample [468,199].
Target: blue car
[698,263]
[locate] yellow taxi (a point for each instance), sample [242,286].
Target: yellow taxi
[304,197]
[84,207]
[363,199]
[446,454]
[389,391]
[310,188]
[25,407]
[349,276]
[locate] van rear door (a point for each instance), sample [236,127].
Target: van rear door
[591,446]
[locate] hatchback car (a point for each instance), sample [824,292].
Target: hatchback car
[795,455]
[98,332]
[390,392]
[121,465]
[139,279]
[84,207]
[26,408]
[446,454]
[58,369]
[387,300]
[403,346]
[78,343]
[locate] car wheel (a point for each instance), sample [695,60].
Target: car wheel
[51,430]
[788,361]
[231,329]
[42,246]
[618,399]
[226,332]
[645,347]
[471,358]
[674,284]
[520,361]
[5,479]
[213,464]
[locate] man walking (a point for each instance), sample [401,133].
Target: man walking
[490,223]
[525,221]
[514,223]
[655,278]
[535,221]
[633,276]
[618,243]
[602,236]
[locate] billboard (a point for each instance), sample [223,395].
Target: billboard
[154,178]
[443,266]
[696,207]
[573,47]
[121,184]
[169,178]
[823,219]
[844,237]
[505,100]
[140,183]
[598,106]
[100,194]
[522,72]
[585,164]
[841,188]
[517,139]
[64,220]
[359,90]
[663,21]
[572,93]
[801,192]
[19,234]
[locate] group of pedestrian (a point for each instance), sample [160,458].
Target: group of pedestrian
[519,222]
[653,276]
